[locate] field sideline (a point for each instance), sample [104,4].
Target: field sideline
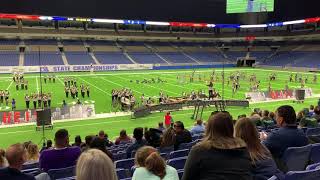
[101,85]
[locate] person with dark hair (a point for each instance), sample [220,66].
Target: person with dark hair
[48,145]
[16,156]
[150,165]
[98,143]
[139,141]
[263,165]
[182,135]
[287,136]
[123,138]
[62,153]
[161,127]
[219,155]
[316,114]
[88,139]
[104,136]
[77,141]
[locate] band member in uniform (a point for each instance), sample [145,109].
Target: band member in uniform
[45,101]
[269,87]
[302,83]
[76,91]
[315,78]
[39,100]
[160,97]
[49,100]
[34,100]
[17,85]
[6,97]
[54,78]
[291,78]
[83,90]
[22,84]
[66,90]
[296,77]
[49,77]
[1,97]
[88,91]
[27,99]
[210,89]
[26,84]
[75,83]
[45,79]
[73,92]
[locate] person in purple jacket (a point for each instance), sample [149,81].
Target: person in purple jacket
[62,155]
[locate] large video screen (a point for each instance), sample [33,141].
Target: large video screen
[245,6]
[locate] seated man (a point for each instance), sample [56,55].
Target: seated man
[62,155]
[16,155]
[139,141]
[287,136]
[198,128]
[182,135]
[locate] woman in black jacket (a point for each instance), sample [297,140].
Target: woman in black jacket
[220,156]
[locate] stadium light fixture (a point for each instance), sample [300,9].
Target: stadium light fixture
[253,26]
[294,22]
[157,23]
[108,21]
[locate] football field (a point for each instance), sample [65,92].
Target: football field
[101,84]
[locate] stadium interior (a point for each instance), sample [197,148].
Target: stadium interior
[251,89]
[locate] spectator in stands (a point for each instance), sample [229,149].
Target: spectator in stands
[104,136]
[62,153]
[94,164]
[47,146]
[182,135]
[86,145]
[32,154]
[161,127]
[272,116]
[168,120]
[316,114]
[287,136]
[77,141]
[16,155]
[263,164]
[311,110]
[153,137]
[98,143]
[123,138]
[150,165]
[256,118]
[198,128]
[139,141]
[219,155]
[266,120]
[168,140]
[26,144]
[3,160]
[305,120]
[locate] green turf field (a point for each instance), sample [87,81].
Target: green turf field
[101,85]
[243,6]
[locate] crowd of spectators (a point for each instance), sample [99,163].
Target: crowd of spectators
[230,149]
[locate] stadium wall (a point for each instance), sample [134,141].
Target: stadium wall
[192,66]
[101,68]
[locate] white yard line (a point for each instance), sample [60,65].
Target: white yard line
[120,85]
[153,87]
[95,86]
[60,81]
[37,84]
[9,85]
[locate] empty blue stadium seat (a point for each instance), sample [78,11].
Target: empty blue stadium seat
[179,153]
[124,163]
[146,58]
[296,158]
[176,57]
[122,173]
[177,163]
[62,172]
[313,131]
[119,156]
[303,175]
[313,166]
[9,58]
[112,58]
[79,58]
[315,153]
[46,58]
[180,173]
[68,178]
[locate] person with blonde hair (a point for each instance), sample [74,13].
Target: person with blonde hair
[32,154]
[219,155]
[263,165]
[168,140]
[150,165]
[95,164]
[3,160]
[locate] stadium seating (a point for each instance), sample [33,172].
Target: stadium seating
[112,58]
[9,58]
[207,57]
[61,173]
[46,58]
[177,163]
[146,58]
[313,166]
[315,153]
[124,164]
[297,158]
[176,57]
[300,175]
[179,153]
[79,58]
